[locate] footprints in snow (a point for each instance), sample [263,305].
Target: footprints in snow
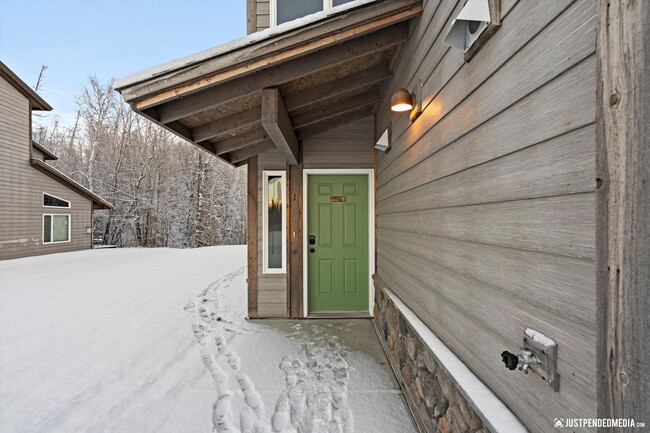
[317,386]
[315,398]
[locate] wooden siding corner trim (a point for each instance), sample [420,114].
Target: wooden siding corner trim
[251,234]
[623,211]
[295,244]
[251,16]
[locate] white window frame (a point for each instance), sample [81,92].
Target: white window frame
[327,4]
[265,221]
[52,228]
[59,198]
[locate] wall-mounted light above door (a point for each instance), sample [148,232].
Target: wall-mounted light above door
[403,101]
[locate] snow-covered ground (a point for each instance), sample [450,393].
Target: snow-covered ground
[136,340]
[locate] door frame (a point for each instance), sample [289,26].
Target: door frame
[370,172]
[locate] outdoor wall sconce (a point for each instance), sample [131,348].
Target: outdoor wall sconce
[473,26]
[403,101]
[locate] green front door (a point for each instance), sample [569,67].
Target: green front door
[337,243]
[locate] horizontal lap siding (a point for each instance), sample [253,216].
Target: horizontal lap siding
[22,187]
[350,146]
[262,14]
[486,203]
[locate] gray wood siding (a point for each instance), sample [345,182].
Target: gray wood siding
[349,146]
[486,218]
[259,12]
[22,187]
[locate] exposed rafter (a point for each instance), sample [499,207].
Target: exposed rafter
[337,87]
[239,141]
[333,122]
[250,151]
[226,124]
[334,109]
[283,73]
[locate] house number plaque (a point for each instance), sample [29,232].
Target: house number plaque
[338,199]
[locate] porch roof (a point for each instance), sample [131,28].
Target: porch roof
[273,88]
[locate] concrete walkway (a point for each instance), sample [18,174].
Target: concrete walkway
[370,390]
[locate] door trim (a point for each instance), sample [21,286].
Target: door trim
[371,229]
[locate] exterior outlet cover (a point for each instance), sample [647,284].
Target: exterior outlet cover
[460,35]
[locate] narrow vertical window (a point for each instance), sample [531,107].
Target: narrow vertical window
[47,228]
[274,222]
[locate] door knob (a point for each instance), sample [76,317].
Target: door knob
[312,250]
[312,240]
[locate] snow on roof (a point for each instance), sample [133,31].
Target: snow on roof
[235,44]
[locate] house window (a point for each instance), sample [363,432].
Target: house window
[56,228]
[52,201]
[274,222]
[283,11]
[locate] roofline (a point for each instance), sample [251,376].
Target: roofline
[234,45]
[48,154]
[258,51]
[38,103]
[98,202]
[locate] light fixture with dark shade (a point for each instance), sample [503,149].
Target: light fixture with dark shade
[402,100]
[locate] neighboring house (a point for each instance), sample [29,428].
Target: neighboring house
[475,223]
[42,211]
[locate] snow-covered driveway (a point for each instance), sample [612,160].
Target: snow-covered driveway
[137,340]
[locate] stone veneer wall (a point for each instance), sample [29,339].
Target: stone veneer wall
[439,403]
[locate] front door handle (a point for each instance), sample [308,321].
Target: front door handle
[312,250]
[312,240]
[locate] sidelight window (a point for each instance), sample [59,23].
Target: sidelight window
[274,222]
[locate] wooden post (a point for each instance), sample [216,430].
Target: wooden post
[251,234]
[295,244]
[623,210]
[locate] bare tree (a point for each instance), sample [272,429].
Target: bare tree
[166,192]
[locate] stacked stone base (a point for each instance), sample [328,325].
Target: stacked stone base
[438,403]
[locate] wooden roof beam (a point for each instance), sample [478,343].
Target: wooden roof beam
[250,151]
[337,87]
[226,124]
[280,74]
[240,141]
[335,109]
[333,122]
[182,132]
[276,122]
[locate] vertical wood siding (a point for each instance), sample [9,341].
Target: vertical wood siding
[22,187]
[485,206]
